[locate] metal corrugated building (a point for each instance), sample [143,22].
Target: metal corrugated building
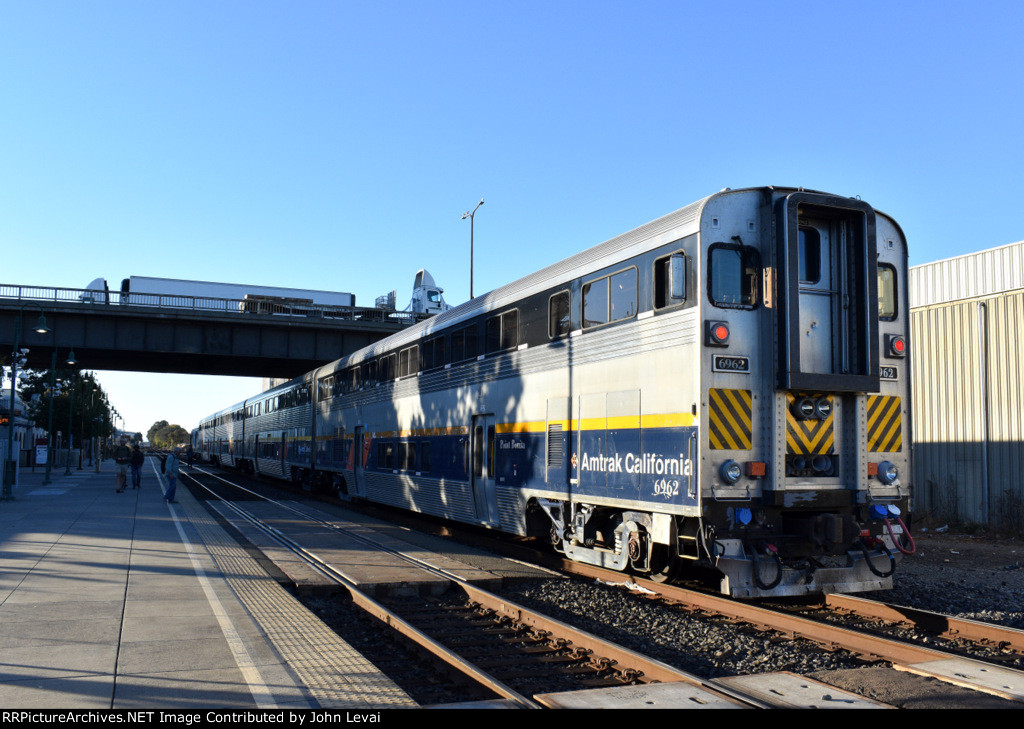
[967,314]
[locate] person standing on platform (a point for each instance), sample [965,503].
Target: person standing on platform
[137,460]
[171,471]
[123,458]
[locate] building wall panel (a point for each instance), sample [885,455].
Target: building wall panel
[968,404]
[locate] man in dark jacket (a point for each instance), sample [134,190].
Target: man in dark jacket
[137,460]
[123,458]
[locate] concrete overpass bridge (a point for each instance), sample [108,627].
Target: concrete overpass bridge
[185,334]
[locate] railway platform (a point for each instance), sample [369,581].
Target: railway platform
[122,601]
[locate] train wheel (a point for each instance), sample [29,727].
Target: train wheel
[664,567]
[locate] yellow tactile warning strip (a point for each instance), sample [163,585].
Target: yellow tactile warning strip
[885,424]
[729,420]
[811,437]
[334,673]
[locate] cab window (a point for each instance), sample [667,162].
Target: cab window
[810,256]
[733,272]
[670,280]
[886,292]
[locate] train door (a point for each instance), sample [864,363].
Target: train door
[359,461]
[819,297]
[827,294]
[827,324]
[483,446]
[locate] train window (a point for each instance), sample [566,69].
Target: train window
[464,344]
[502,331]
[385,455]
[886,292]
[424,457]
[733,275]
[490,451]
[472,345]
[427,360]
[510,329]
[810,256]
[407,456]
[492,335]
[478,451]
[608,299]
[386,369]
[670,280]
[458,345]
[622,296]
[409,361]
[558,315]
[440,352]
[595,303]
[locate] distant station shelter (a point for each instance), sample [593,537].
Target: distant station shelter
[967,314]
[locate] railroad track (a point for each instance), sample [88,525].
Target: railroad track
[510,651]
[598,664]
[989,676]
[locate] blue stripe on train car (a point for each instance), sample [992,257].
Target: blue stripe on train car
[656,465]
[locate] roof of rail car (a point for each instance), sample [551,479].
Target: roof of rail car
[588,261]
[580,264]
[276,389]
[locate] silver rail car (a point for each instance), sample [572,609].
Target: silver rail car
[722,391]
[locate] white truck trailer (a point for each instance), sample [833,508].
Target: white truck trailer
[149,291]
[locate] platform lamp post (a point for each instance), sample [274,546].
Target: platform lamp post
[55,389]
[10,464]
[81,421]
[470,215]
[71,407]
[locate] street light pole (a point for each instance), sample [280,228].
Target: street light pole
[470,215]
[10,464]
[50,445]
[71,408]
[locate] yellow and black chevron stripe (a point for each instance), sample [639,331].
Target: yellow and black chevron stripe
[808,437]
[885,424]
[729,416]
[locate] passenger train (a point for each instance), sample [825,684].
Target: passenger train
[723,391]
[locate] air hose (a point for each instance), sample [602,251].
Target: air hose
[867,558]
[896,541]
[771,549]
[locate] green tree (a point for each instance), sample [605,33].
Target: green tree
[163,435]
[79,391]
[154,429]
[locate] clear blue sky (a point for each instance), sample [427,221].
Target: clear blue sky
[334,145]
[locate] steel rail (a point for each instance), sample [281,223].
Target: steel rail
[373,607]
[651,669]
[903,656]
[944,625]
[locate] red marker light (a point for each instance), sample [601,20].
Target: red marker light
[897,345]
[716,334]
